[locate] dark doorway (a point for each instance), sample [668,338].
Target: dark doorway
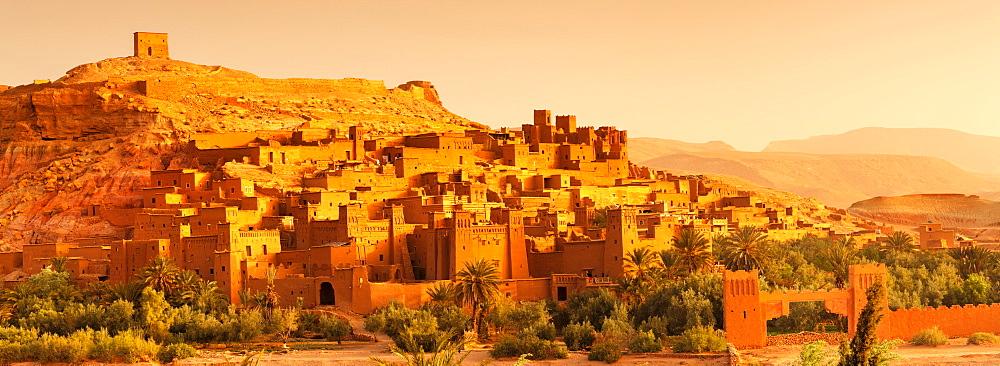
[561,294]
[149,50]
[326,294]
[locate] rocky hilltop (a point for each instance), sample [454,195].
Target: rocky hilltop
[90,137]
[975,153]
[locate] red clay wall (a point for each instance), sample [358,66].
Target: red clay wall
[955,321]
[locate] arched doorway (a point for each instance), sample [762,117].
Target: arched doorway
[326,294]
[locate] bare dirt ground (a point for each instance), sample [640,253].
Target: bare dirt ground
[361,353]
[956,352]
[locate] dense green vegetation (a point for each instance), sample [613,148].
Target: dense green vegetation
[669,298]
[50,318]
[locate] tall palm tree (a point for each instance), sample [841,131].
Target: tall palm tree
[129,291]
[205,297]
[899,241]
[693,250]
[59,263]
[746,248]
[838,258]
[972,259]
[639,263]
[442,292]
[476,285]
[272,299]
[672,265]
[162,275]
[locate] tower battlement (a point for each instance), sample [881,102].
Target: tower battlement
[150,45]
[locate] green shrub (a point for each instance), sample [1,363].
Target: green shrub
[815,354]
[243,327]
[932,336]
[177,351]
[18,335]
[609,352]
[127,346]
[544,331]
[579,336]
[451,319]
[11,352]
[55,348]
[657,324]
[983,338]
[644,342]
[333,329]
[540,349]
[701,339]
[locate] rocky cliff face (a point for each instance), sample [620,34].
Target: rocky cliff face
[90,137]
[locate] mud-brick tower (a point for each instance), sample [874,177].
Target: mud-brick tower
[746,325]
[860,278]
[151,45]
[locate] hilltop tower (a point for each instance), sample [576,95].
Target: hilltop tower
[150,45]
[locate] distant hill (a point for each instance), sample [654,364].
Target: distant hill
[645,148]
[833,179]
[952,210]
[972,216]
[971,152]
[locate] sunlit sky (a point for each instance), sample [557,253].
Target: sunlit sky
[744,72]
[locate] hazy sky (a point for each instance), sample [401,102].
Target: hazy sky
[745,72]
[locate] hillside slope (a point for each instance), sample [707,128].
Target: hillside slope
[971,152]
[837,180]
[90,137]
[644,148]
[952,210]
[971,216]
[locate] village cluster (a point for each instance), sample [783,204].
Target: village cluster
[371,219]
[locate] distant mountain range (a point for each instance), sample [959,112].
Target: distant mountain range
[645,148]
[842,169]
[977,153]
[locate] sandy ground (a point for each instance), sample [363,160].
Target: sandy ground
[361,353]
[956,352]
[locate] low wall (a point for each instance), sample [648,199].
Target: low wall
[955,321]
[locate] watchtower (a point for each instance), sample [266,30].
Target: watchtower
[151,45]
[744,317]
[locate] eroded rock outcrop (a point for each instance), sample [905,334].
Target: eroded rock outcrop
[90,137]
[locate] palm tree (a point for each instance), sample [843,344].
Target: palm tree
[693,250]
[972,259]
[442,292]
[271,299]
[205,297]
[162,275]
[639,263]
[838,258]
[476,285]
[129,291]
[899,241]
[59,263]
[744,249]
[672,265]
